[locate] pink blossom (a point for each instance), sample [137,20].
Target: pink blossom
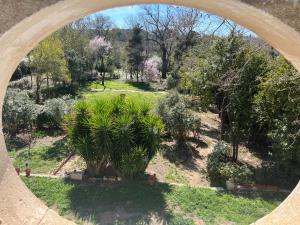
[99,46]
[151,68]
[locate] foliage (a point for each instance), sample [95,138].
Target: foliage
[135,50]
[100,49]
[52,112]
[114,130]
[220,168]
[151,68]
[228,77]
[19,111]
[47,61]
[177,118]
[23,84]
[171,82]
[135,163]
[277,107]
[22,70]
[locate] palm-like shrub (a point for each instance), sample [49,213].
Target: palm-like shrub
[118,131]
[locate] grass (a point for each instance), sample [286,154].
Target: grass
[41,159]
[119,85]
[151,97]
[175,175]
[135,202]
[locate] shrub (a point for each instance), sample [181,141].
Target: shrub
[117,131]
[134,163]
[171,82]
[23,84]
[51,114]
[19,111]
[220,169]
[178,120]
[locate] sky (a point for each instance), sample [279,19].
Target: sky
[120,17]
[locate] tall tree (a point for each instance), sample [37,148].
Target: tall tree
[185,24]
[74,38]
[47,61]
[157,22]
[135,51]
[99,48]
[100,25]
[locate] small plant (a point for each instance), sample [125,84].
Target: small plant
[220,168]
[178,120]
[39,134]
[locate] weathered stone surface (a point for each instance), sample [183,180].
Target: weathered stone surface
[287,11]
[23,23]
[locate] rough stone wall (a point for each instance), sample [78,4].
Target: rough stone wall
[287,11]
[13,11]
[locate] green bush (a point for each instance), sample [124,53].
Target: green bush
[177,118]
[220,169]
[23,84]
[19,111]
[134,163]
[117,131]
[51,114]
[171,82]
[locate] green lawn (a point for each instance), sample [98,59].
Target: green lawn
[151,97]
[120,85]
[134,202]
[41,159]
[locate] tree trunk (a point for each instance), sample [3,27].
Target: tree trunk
[235,150]
[38,87]
[48,91]
[94,169]
[164,59]
[103,72]
[31,81]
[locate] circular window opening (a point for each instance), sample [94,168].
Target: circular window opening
[152,110]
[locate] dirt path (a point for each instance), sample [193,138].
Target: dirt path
[193,171]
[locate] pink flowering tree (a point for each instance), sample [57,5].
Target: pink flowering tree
[152,68]
[99,48]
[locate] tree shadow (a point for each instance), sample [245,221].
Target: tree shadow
[58,151]
[140,85]
[14,143]
[181,154]
[277,174]
[122,203]
[209,131]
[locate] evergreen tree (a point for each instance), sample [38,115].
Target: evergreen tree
[135,52]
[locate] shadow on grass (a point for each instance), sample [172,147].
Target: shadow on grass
[124,203]
[14,143]
[265,195]
[58,151]
[141,85]
[183,154]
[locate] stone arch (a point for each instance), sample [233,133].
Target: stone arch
[17,204]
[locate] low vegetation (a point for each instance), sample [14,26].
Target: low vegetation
[139,203]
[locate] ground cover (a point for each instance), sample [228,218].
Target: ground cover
[141,203]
